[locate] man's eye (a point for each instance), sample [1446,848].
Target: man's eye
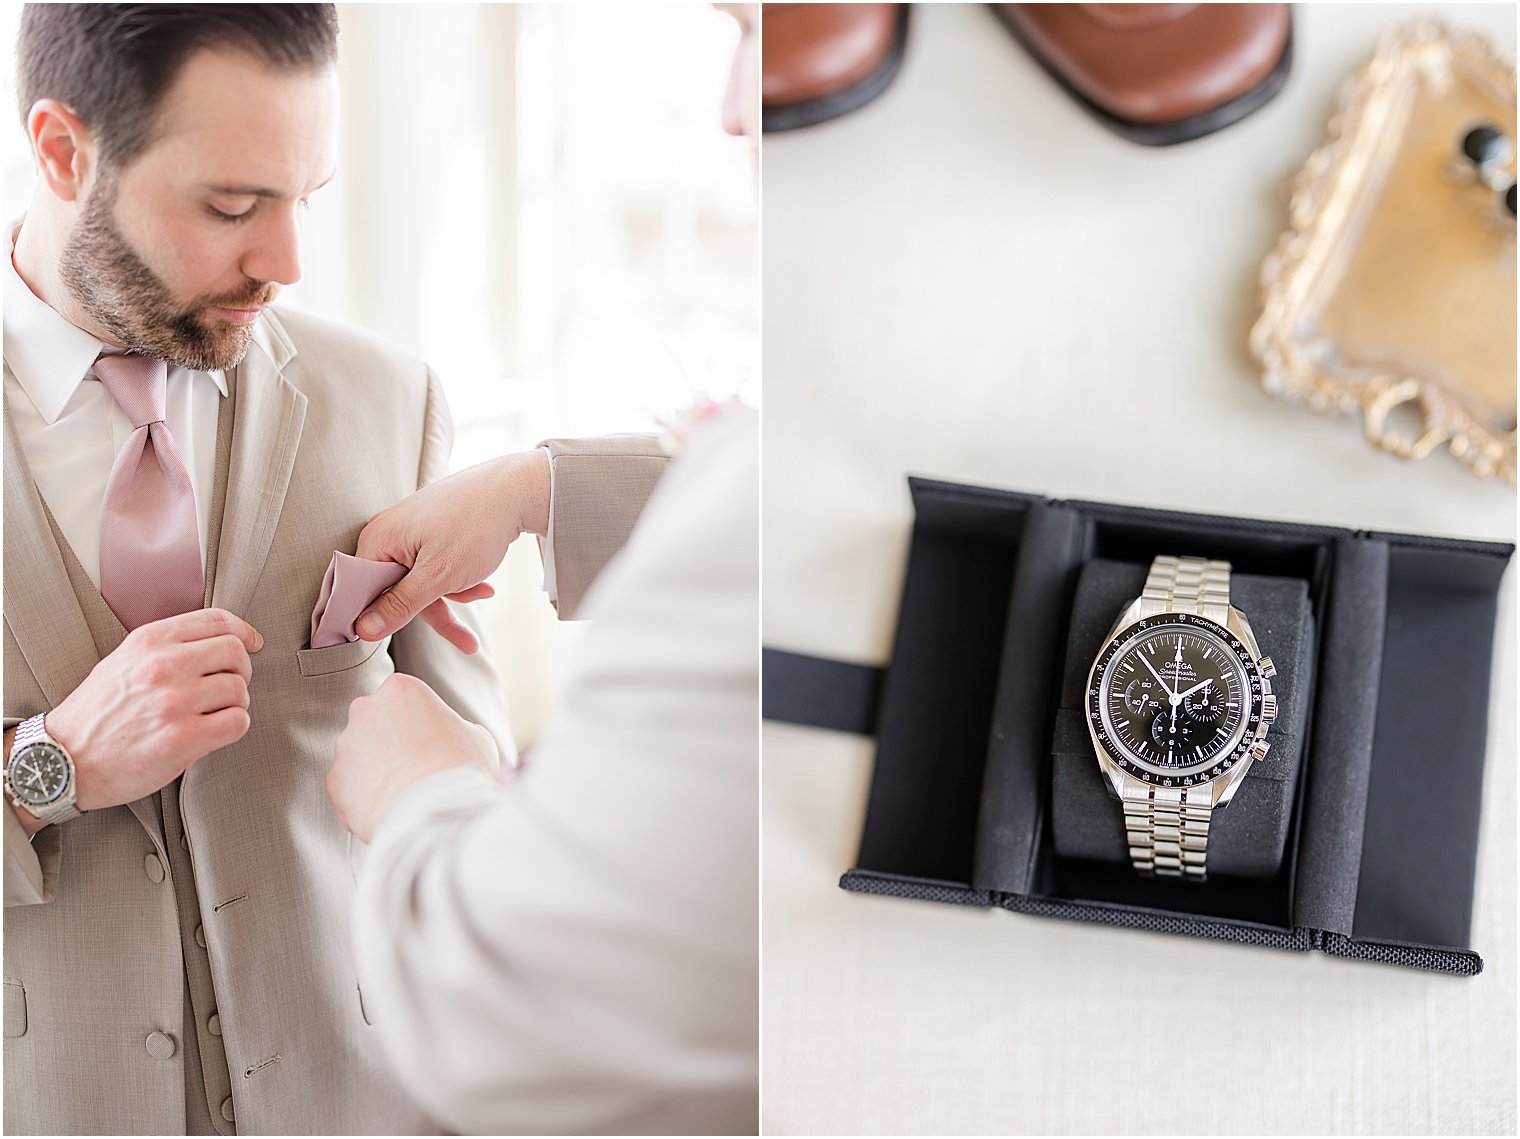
[221,216]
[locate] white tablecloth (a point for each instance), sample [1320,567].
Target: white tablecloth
[970,279]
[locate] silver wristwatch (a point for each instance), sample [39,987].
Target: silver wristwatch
[1178,703]
[39,774]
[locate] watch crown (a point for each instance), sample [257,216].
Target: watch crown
[1268,669]
[1268,709]
[1259,749]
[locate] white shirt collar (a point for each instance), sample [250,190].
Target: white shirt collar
[49,356]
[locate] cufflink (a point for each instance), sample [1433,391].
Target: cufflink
[1484,153]
[1484,157]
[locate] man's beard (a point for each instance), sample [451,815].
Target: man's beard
[117,289]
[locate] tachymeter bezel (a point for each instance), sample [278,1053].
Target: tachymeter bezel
[1186,777]
[53,752]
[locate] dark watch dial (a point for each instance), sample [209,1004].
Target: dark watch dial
[1174,698]
[1176,665]
[39,773]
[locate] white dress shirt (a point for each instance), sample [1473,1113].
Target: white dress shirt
[70,428]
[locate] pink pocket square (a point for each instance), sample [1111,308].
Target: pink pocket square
[349,587]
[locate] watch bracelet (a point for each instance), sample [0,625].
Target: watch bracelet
[1167,828]
[30,730]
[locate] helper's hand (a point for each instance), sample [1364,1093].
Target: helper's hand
[452,535]
[397,735]
[170,694]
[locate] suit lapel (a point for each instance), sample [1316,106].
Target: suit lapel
[266,434]
[40,606]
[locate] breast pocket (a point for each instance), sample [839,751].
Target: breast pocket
[338,658]
[15,1008]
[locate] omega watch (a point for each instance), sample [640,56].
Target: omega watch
[39,775]
[1178,703]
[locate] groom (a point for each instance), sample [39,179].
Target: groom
[181,462]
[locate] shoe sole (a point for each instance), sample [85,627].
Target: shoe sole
[794,116]
[1178,130]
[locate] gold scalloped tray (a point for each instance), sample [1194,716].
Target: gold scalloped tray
[1392,293]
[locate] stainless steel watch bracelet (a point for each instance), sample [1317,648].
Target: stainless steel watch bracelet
[27,732]
[1168,827]
[1187,585]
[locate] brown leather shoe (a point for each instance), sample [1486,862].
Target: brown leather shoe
[1160,73]
[820,61]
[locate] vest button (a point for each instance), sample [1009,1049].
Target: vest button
[153,868]
[160,1045]
[200,936]
[214,1025]
[227,1109]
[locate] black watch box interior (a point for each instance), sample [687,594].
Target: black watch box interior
[1369,847]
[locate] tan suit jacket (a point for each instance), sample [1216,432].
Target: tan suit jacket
[598,488]
[576,952]
[185,960]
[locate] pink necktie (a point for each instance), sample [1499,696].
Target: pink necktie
[150,551]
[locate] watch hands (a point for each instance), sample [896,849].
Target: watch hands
[1177,661]
[1177,696]
[1181,696]
[1145,661]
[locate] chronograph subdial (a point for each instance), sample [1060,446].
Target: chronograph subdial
[1173,732]
[1141,696]
[1207,705]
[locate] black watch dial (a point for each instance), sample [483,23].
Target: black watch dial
[1175,698]
[39,774]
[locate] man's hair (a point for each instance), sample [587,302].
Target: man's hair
[111,64]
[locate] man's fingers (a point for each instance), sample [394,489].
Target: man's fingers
[223,727]
[474,593]
[219,654]
[394,608]
[458,634]
[220,690]
[199,624]
[374,541]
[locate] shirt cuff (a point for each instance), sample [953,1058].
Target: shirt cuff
[546,540]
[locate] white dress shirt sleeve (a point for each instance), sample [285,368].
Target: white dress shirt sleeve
[576,951]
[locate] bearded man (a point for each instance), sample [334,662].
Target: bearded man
[181,463]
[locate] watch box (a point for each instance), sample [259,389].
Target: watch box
[1379,826]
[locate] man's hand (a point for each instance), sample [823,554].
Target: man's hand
[170,694]
[396,736]
[452,535]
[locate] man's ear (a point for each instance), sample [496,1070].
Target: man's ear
[64,148]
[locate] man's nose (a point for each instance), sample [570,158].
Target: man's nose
[733,101]
[276,253]
[733,124]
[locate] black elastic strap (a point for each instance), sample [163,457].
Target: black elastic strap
[820,693]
